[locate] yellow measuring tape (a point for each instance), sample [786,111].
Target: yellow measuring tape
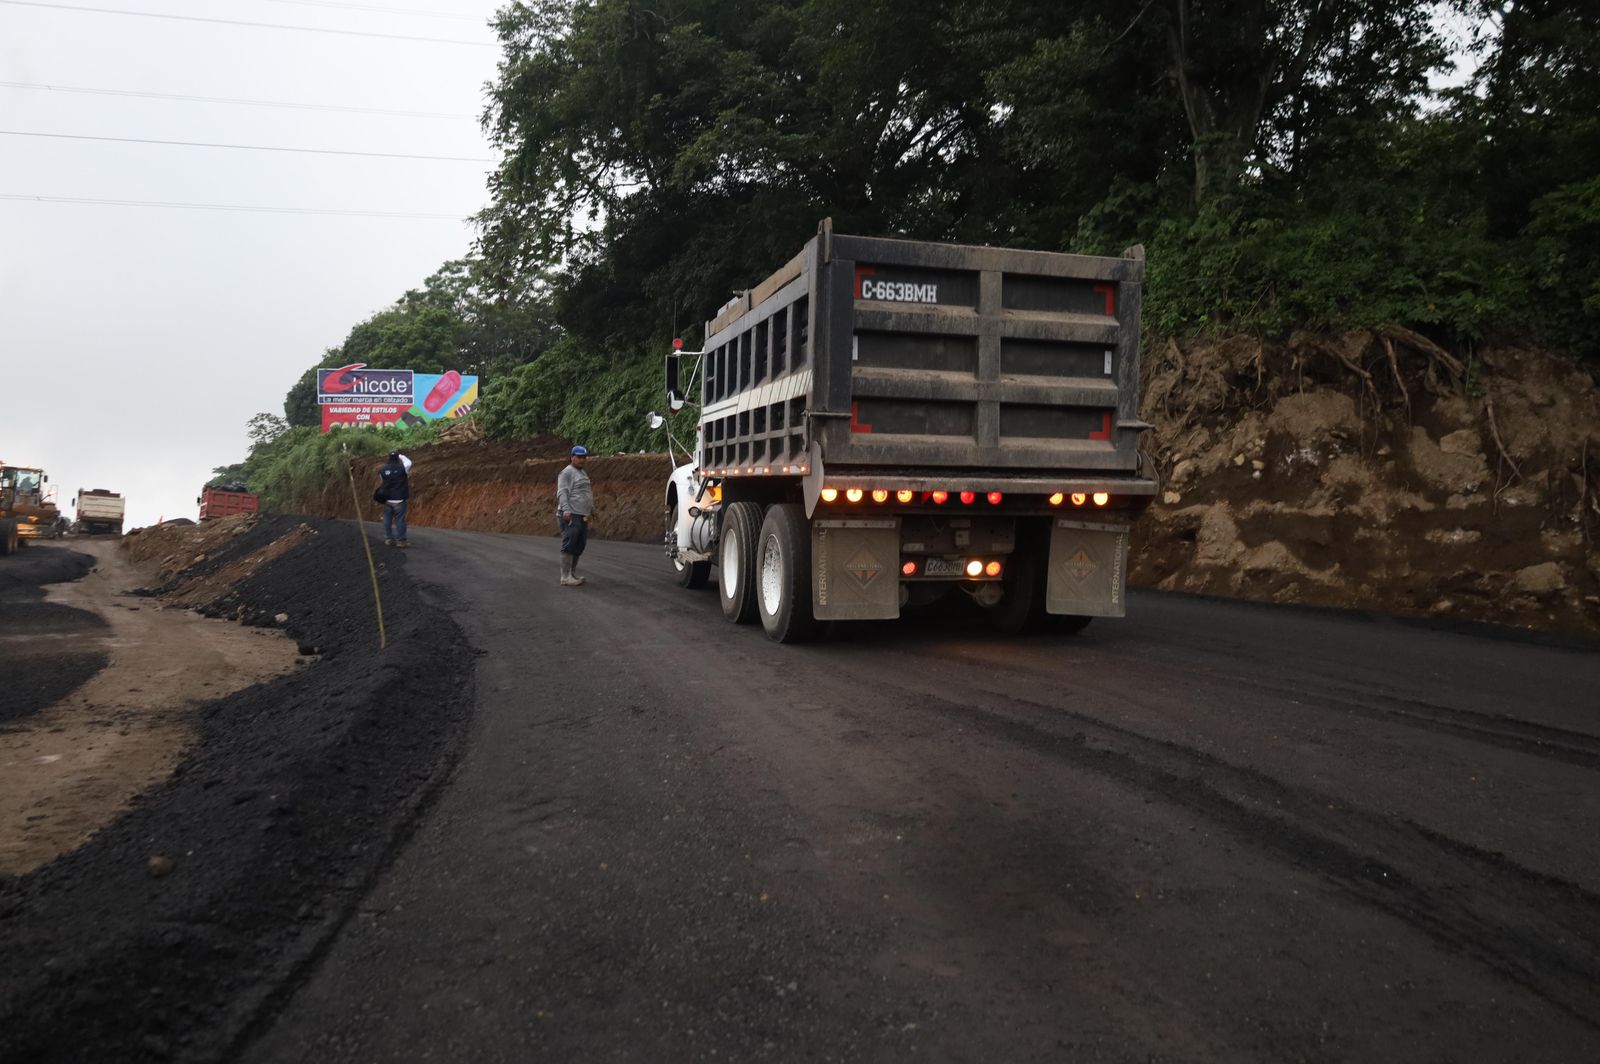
[361,528]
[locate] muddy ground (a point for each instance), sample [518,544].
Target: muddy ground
[49,649]
[168,933]
[73,763]
[1370,471]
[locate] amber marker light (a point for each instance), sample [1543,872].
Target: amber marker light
[1079,498]
[1101,498]
[940,497]
[853,494]
[830,494]
[1057,499]
[992,569]
[904,496]
[880,495]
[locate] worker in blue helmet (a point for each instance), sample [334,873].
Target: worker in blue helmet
[574,507]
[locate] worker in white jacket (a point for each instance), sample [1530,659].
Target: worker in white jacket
[574,507]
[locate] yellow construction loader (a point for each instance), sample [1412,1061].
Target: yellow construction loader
[27,507]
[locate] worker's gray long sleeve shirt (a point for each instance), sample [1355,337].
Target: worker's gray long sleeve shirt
[574,494]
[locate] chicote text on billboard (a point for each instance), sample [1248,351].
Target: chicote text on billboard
[354,396]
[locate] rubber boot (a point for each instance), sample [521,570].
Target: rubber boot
[567,579]
[578,580]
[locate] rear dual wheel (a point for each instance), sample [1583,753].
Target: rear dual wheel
[785,576]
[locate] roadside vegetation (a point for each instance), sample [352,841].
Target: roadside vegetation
[1288,166]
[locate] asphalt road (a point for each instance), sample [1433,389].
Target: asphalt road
[1208,832]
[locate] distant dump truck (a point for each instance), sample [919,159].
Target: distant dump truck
[885,423]
[27,507]
[99,511]
[226,500]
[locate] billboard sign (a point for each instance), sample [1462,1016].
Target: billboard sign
[373,398]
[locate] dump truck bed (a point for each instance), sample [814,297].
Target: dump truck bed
[929,359]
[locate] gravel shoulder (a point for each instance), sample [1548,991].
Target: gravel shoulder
[179,925]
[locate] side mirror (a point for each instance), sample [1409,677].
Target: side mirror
[655,419]
[46,478]
[675,399]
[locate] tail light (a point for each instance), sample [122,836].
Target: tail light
[940,497]
[968,497]
[879,495]
[904,496]
[1079,498]
[1101,498]
[830,494]
[992,569]
[1057,499]
[974,568]
[995,497]
[853,494]
[909,569]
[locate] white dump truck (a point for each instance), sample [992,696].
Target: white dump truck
[99,511]
[882,424]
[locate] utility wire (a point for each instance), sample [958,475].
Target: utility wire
[385,10]
[244,147]
[18,197]
[236,22]
[230,100]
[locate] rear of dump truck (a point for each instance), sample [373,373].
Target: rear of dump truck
[99,511]
[884,424]
[226,502]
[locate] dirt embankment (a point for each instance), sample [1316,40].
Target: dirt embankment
[173,929]
[1370,470]
[510,487]
[1377,471]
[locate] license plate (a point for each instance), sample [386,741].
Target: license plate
[943,567]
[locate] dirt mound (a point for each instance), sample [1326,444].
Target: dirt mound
[510,487]
[1377,470]
[173,929]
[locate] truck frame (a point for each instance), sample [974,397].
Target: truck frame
[885,422]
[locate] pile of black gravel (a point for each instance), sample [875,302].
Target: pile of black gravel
[54,665]
[176,929]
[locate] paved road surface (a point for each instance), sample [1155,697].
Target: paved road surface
[1209,832]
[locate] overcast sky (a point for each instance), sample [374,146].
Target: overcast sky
[135,342]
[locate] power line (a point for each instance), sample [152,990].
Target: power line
[244,147]
[224,207]
[385,10]
[230,100]
[235,22]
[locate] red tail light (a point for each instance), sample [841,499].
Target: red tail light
[995,497]
[992,569]
[940,497]
[909,568]
[968,497]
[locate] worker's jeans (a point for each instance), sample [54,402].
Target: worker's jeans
[574,534]
[394,519]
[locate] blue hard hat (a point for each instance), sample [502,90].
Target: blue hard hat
[579,452]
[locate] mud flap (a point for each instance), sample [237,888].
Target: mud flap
[1088,570]
[855,568]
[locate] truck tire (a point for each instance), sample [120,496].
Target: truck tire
[736,562]
[783,576]
[8,537]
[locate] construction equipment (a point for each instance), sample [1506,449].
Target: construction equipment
[99,511]
[225,500]
[27,507]
[883,424]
